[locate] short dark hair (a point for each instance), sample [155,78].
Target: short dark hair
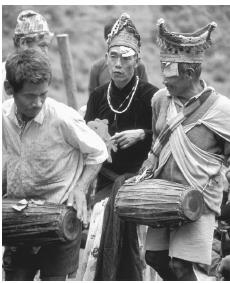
[27,65]
[183,67]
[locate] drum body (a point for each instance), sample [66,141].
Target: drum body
[38,224]
[158,203]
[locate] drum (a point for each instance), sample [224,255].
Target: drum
[158,203]
[38,224]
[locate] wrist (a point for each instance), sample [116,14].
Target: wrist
[141,134]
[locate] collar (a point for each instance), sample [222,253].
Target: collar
[11,113]
[177,100]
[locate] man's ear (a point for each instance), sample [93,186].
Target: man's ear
[8,88]
[189,73]
[137,61]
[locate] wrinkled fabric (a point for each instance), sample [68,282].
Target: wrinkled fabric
[46,158]
[118,257]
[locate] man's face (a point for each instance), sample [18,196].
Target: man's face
[39,43]
[177,84]
[121,67]
[30,98]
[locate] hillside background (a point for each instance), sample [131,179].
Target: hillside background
[85,24]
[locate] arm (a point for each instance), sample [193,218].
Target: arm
[128,138]
[83,139]
[77,197]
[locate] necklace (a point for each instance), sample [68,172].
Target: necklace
[132,93]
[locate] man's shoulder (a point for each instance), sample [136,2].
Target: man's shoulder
[7,105]
[100,91]
[59,110]
[161,96]
[147,88]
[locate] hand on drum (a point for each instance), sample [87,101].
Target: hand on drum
[77,199]
[147,169]
[127,138]
[149,164]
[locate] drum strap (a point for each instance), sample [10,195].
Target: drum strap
[186,112]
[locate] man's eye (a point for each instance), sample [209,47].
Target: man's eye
[43,45]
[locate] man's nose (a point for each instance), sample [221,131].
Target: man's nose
[118,62]
[37,102]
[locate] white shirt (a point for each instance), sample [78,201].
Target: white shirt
[46,158]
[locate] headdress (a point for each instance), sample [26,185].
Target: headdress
[30,23]
[183,47]
[124,33]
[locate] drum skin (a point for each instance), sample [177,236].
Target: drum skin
[38,224]
[158,203]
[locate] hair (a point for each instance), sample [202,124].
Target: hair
[183,67]
[108,27]
[27,65]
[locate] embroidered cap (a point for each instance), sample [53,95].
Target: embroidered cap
[183,47]
[124,33]
[30,23]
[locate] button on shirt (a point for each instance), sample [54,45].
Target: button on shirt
[45,159]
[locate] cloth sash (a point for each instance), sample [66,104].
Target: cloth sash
[176,119]
[199,167]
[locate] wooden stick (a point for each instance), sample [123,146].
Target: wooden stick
[67,69]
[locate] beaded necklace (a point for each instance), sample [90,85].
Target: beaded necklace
[132,93]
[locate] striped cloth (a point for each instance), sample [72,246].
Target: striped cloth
[186,111]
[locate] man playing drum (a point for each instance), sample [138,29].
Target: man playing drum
[194,153]
[49,154]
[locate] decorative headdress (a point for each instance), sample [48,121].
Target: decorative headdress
[183,47]
[124,33]
[30,23]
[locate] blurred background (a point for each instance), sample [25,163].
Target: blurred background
[85,26]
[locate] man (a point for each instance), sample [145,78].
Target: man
[48,154]
[99,72]
[31,31]
[193,154]
[125,102]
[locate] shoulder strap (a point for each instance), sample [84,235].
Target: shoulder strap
[186,112]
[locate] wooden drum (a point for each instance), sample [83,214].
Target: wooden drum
[158,203]
[38,224]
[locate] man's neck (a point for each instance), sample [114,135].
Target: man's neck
[122,84]
[22,118]
[193,90]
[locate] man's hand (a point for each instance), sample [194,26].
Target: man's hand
[77,200]
[127,138]
[149,164]
[147,169]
